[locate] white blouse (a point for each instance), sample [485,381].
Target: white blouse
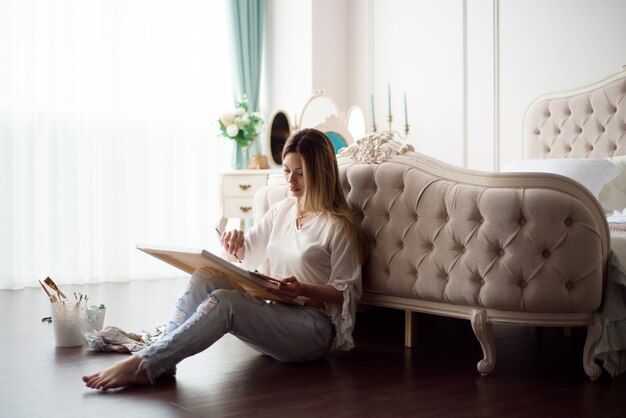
[319,253]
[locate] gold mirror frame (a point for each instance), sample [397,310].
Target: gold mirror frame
[316,109]
[336,131]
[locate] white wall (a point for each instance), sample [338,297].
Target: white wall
[548,46]
[480,147]
[288,75]
[360,68]
[330,50]
[306,49]
[469,68]
[417,50]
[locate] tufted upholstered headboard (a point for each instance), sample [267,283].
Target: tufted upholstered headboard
[585,123]
[446,234]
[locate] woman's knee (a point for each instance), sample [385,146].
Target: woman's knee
[225,300]
[207,305]
[211,278]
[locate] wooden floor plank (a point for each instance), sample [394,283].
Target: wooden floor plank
[538,370]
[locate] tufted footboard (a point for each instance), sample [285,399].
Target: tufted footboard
[491,248]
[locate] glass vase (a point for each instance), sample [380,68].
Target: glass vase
[241,157]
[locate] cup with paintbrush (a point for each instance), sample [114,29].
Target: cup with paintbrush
[68,317]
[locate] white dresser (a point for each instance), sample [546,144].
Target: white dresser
[237,193]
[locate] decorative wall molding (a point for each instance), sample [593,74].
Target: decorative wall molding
[465,150]
[370,44]
[496,85]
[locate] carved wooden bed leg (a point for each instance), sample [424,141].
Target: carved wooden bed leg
[482,330]
[410,323]
[593,333]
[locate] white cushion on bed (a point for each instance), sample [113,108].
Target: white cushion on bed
[593,173]
[613,195]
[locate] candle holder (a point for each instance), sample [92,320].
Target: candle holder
[393,133]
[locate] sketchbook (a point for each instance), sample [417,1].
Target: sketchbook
[189,260]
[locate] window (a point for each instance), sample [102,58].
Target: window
[107,135]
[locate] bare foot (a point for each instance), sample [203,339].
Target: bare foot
[126,372]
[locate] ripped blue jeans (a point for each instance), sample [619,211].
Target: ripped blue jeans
[210,308]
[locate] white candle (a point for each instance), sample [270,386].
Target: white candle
[406,118]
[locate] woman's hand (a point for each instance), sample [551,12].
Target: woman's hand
[289,288]
[316,294]
[233,243]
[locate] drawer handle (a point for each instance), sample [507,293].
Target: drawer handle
[245,209]
[245,187]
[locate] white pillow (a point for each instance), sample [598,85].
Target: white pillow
[593,173]
[613,196]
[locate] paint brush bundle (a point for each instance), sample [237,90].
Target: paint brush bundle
[68,317]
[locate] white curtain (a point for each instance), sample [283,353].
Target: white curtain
[107,135]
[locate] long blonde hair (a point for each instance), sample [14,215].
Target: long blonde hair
[322,186]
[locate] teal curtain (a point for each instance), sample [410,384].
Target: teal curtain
[248,18]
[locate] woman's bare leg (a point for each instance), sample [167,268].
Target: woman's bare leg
[124,373]
[129,371]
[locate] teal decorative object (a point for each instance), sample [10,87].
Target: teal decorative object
[337,139]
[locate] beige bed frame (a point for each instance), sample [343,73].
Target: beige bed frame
[492,248]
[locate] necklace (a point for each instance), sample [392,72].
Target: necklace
[300,219]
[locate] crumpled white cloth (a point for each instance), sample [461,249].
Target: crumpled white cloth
[116,339]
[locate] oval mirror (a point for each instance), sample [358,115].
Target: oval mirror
[316,110]
[280,129]
[356,122]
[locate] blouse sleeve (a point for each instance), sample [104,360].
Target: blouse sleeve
[345,277]
[256,240]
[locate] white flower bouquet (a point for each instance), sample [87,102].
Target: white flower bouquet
[241,126]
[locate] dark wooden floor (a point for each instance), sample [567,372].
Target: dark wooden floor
[538,372]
